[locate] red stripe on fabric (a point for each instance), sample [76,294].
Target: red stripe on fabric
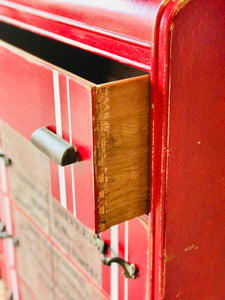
[21,281]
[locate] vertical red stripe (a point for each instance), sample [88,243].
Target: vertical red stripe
[106,269]
[121,240]
[54,180]
[81,119]
[138,254]
[64,107]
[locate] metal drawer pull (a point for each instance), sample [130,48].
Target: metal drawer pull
[52,145]
[130,270]
[4,234]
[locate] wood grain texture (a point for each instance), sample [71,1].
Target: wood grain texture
[122,150]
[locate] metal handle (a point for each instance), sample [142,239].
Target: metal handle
[4,234]
[129,270]
[52,145]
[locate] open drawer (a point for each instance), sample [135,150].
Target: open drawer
[107,121]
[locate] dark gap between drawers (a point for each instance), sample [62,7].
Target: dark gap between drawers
[90,66]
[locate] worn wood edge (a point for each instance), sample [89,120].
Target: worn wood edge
[123,81]
[115,105]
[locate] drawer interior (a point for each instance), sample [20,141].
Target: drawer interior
[90,66]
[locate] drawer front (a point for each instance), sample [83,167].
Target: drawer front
[30,99]
[28,189]
[107,123]
[52,275]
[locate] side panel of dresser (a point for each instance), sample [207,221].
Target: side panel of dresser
[188,154]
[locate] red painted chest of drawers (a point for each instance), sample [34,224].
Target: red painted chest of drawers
[138,88]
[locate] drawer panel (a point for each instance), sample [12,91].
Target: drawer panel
[48,227]
[107,122]
[52,275]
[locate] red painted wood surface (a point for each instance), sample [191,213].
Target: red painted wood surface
[28,96]
[122,30]
[188,158]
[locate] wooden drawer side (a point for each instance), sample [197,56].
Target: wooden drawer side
[122,150]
